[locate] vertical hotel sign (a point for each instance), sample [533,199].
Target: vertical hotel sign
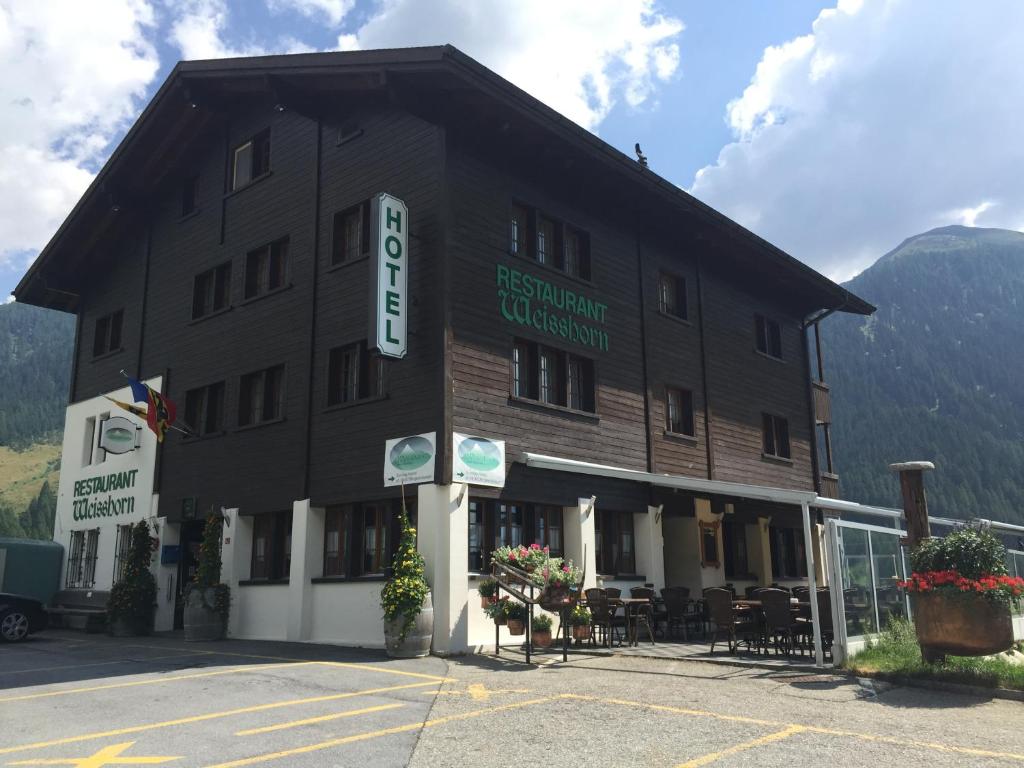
[389,271]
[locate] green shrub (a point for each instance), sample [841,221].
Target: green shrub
[542,623]
[133,598]
[972,551]
[404,593]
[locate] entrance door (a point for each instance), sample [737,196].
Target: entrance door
[188,562]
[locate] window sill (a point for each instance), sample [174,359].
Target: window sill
[263,583]
[257,425]
[250,183]
[354,403]
[681,437]
[105,355]
[765,355]
[556,270]
[265,294]
[675,318]
[777,459]
[208,315]
[348,263]
[347,579]
[190,439]
[186,216]
[561,410]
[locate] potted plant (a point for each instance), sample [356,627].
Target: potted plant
[132,601]
[207,600]
[497,611]
[542,630]
[961,594]
[488,589]
[579,620]
[515,616]
[408,610]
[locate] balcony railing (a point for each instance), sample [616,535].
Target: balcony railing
[822,402]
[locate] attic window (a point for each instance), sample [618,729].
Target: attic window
[250,160]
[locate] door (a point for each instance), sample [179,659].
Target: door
[188,562]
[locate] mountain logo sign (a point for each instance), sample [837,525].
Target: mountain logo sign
[410,460]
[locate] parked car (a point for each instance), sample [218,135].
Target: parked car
[19,617]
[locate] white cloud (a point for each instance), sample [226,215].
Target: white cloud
[891,118]
[71,77]
[198,28]
[332,11]
[580,57]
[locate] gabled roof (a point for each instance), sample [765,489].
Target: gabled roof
[178,112]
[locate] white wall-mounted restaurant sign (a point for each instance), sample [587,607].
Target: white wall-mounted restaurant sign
[410,460]
[389,275]
[478,460]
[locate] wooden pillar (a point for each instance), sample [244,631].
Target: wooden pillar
[915,503]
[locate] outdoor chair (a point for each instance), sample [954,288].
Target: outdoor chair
[602,616]
[749,591]
[805,625]
[726,622]
[802,594]
[613,591]
[643,614]
[778,620]
[677,608]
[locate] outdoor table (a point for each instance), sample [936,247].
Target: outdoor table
[631,607]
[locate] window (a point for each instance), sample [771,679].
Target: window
[351,236]
[122,551]
[708,543]
[552,376]
[354,373]
[260,396]
[494,524]
[776,436]
[679,411]
[250,160]
[613,543]
[271,546]
[734,539]
[547,241]
[189,195]
[211,291]
[265,268]
[81,572]
[789,558]
[672,295]
[204,409]
[108,333]
[769,336]
[360,538]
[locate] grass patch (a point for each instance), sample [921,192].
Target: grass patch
[896,654]
[22,473]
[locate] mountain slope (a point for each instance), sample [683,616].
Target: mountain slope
[937,373]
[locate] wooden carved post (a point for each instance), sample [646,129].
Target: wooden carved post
[915,503]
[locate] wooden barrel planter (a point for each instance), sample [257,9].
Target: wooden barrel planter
[417,640]
[960,625]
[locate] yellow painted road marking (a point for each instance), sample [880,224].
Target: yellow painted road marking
[676,710]
[209,716]
[478,692]
[377,734]
[769,739]
[320,719]
[385,670]
[107,756]
[150,681]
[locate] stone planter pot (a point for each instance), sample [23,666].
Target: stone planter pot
[581,632]
[516,627]
[542,638]
[202,623]
[417,639]
[122,627]
[960,625]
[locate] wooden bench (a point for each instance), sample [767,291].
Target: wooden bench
[79,609]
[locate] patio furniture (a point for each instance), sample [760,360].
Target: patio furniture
[727,621]
[805,625]
[602,615]
[777,614]
[678,607]
[640,610]
[802,593]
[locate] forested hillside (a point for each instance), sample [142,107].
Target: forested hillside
[936,374]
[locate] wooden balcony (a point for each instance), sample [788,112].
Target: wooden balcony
[822,402]
[829,485]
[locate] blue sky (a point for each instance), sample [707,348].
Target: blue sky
[832,130]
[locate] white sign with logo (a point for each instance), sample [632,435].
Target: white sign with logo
[119,435]
[478,461]
[389,275]
[410,460]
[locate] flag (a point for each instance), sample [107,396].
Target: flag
[132,409]
[162,411]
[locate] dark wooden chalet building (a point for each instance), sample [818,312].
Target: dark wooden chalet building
[647,361]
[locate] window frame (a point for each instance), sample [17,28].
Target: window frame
[198,412]
[688,416]
[510,523]
[256,281]
[768,336]
[369,374]
[528,229]
[787,549]
[549,376]
[734,548]
[108,329]
[213,284]
[610,532]
[276,528]
[775,435]
[257,162]
[245,400]
[678,308]
[341,255]
[351,526]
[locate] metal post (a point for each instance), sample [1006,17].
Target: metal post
[812,583]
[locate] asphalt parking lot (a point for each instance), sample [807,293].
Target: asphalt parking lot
[89,700]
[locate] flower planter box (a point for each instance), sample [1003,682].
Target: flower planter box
[516,627]
[581,632]
[542,638]
[960,625]
[201,621]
